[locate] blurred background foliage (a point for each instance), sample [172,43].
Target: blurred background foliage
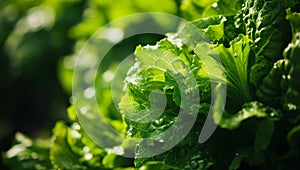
[40,40]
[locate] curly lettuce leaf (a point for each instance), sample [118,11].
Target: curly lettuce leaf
[190,154]
[271,89]
[281,85]
[212,27]
[264,22]
[152,90]
[163,67]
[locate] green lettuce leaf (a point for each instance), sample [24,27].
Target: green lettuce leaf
[264,22]
[281,85]
[236,61]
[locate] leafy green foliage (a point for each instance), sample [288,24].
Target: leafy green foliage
[246,57]
[236,61]
[69,148]
[264,23]
[291,54]
[283,73]
[242,46]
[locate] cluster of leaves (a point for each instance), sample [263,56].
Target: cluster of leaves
[253,49]
[69,148]
[40,35]
[251,46]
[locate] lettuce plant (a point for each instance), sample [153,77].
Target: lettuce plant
[252,47]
